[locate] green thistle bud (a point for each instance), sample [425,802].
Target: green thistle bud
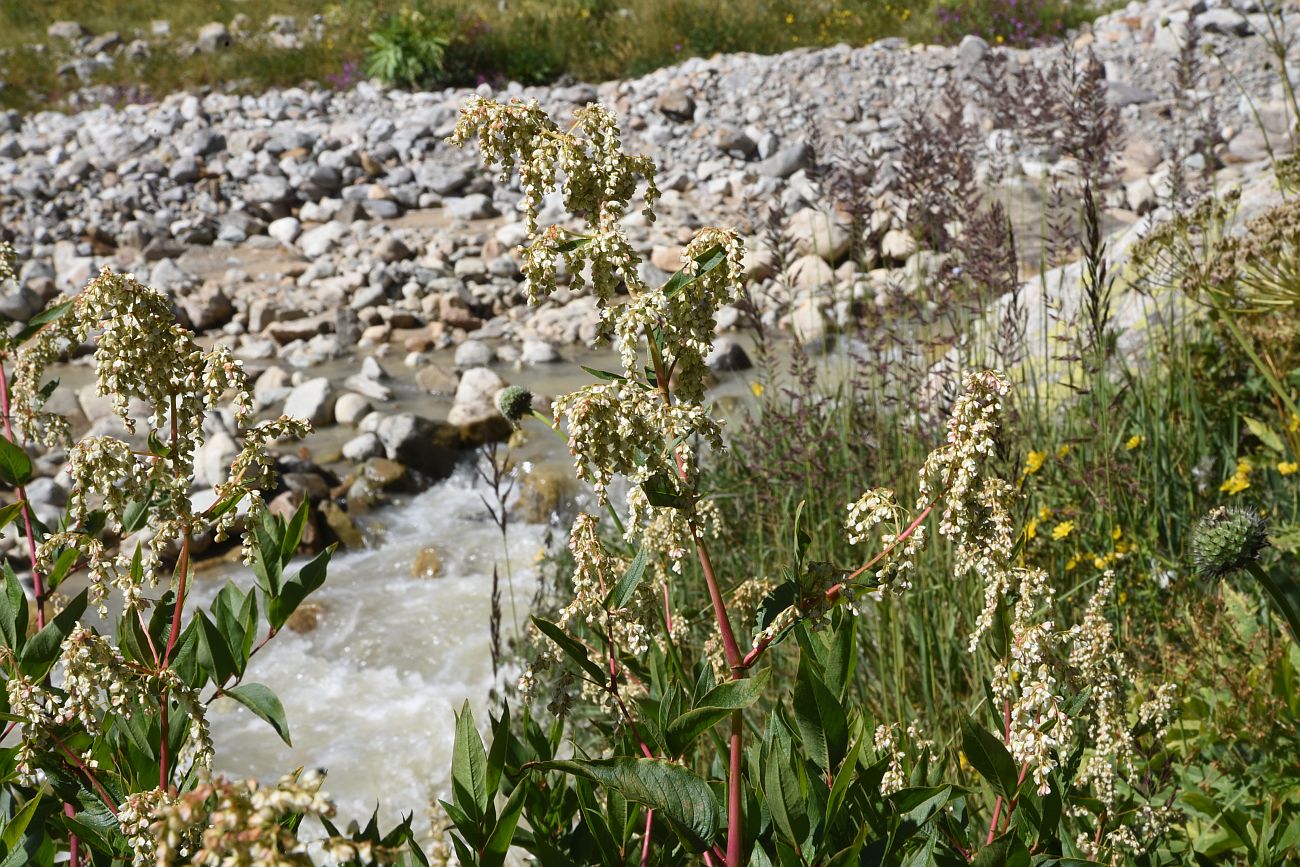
[1227,539]
[514,402]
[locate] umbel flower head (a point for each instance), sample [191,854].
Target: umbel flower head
[1227,539]
[514,402]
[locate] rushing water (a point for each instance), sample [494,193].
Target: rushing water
[370,692]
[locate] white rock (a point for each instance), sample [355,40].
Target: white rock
[313,400]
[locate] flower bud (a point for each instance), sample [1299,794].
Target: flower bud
[514,402]
[1227,539]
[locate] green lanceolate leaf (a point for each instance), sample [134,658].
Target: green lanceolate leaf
[661,491]
[498,843]
[705,262]
[713,708]
[43,647]
[572,648]
[261,701]
[606,375]
[469,768]
[988,755]
[786,800]
[1005,851]
[675,793]
[214,652]
[13,611]
[10,513]
[17,826]
[821,720]
[15,466]
[299,587]
[626,586]
[40,320]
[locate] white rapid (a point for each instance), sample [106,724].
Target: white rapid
[371,691]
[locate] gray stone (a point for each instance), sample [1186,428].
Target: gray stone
[316,242]
[392,249]
[822,233]
[313,400]
[676,105]
[213,37]
[475,400]
[539,352]
[786,161]
[475,206]
[363,447]
[473,353]
[350,408]
[285,230]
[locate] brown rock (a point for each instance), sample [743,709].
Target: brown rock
[342,525]
[428,563]
[306,618]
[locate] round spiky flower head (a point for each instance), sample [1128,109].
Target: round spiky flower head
[514,402]
[1228,538]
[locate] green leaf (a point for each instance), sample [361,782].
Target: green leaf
[572,648]
[786,799]
[13,611]
[605,375]
[675,793]
[706,261]
[157,446]
[214,651]
[15,466]
[501,740]
[17,826]
[62,566]
[661,491]
[1005,851]
[1265,435]
[40,320]
[503,832]
[469,767]
[713,708]
[43,648]
[988,755]
[626,586]
[136,514]
[10,512]
[299,587]
[821,720]
[261,701]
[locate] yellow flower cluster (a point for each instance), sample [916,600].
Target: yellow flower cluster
[1135,441]
[1239,480]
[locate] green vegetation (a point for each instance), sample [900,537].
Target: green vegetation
[440,42]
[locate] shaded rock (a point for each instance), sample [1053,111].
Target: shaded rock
[340,523]
[213,37]
[545,492]
[728,355]
[420,443]
[676,104]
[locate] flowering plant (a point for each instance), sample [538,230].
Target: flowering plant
[111,757]
[651,654]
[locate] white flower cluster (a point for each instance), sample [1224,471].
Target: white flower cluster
[1106,678]
[594,575]
[623,428]
[597,178]
[684,315]
[221,823]
[873,508]
[886,744]
[1026,683]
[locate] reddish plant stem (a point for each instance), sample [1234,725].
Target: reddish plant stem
[81,766]
[997,805]
[645,842]
[74,845]
[38,586]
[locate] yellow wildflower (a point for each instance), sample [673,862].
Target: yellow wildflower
[1134,441]
[1123,597]
[1031,529]
[1034,462]
[1116,534]
[1063,451]
[1294,426]
[1286,468]
[789,19]
[1072,563]
[756,388]
[1044,513]
[999,39]
[1061,530]
[1239,480]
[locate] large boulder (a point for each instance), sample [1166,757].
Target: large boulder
[313,400]
[419,443]
[474,408]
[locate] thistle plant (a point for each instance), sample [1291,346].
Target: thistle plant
[113,725]
[681,747]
